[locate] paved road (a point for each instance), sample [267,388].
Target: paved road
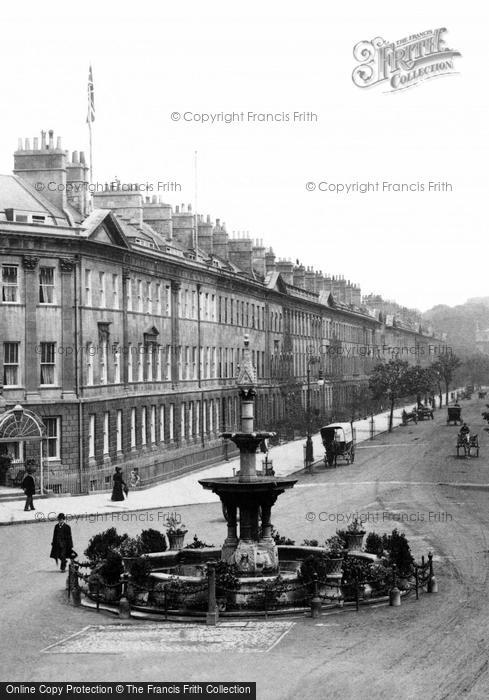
[438,646]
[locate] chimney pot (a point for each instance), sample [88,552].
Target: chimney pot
[189,207]
[74,157]
[35,144]
[43,140]
[177,209]
[58,143]
[51,139]
[208,218]
[19,145]
[82,157]
[153,199]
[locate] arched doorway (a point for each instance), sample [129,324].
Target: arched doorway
[19,426]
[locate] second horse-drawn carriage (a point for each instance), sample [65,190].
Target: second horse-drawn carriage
[338,442]
[469,444]
[454,415]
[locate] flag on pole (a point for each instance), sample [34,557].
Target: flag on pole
[91,100]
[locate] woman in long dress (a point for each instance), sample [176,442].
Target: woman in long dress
[119,484]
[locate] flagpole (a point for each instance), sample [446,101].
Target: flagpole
[91,150]
[195,203]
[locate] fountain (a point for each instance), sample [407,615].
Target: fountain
[248,494]
[247,499]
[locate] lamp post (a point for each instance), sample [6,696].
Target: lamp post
[312,359]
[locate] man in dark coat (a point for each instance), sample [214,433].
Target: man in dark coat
[29,486]
[62,544]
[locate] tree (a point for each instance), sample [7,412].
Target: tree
[445,366]
[475,370]
[390,380]
[421,380]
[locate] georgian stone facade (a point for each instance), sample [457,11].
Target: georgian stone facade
[123,327]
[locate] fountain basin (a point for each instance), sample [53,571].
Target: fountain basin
[184,573]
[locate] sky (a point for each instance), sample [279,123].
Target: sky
[153,59]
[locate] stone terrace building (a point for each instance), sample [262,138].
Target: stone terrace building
[122,325]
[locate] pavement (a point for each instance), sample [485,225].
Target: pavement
[185,490]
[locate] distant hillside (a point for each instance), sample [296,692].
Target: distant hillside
[479,300]
[460,322]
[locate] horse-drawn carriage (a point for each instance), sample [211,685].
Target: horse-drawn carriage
[454,415]
[469,444]
[409,416]
[424,412]
[482,394]
[338,442]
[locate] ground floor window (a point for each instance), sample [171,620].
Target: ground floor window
[53,435]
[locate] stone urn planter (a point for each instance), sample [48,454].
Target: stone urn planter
[176,538]
[333,565]
[354,540]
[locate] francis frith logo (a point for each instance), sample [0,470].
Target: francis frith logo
[403,63]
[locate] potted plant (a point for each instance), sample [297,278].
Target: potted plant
[175,531]
[354,535]
[138,586]
[334,551]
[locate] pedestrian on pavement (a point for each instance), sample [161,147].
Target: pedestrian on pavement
[135,479]
[29,486]
[62,544]
[120,486]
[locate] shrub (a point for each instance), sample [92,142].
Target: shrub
[130,547]
[374,544]
[111,568]
[174,525]
[226,577]
[102,543]
[269,594]
[152,541]
[355,571]
[335,547]
[197,544]
[140,570]
[399,552]
[342,535]
[314,564]
[355,526]
[310,543]
[380,578]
